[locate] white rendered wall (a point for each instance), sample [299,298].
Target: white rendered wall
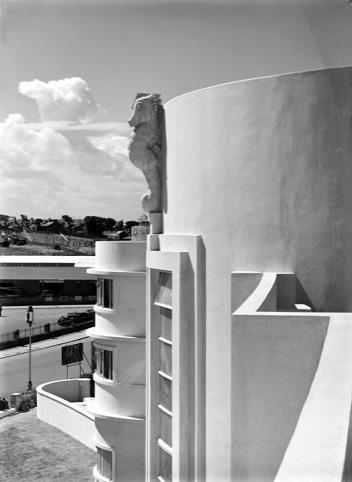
[56,406]
[127,437]
[120,256]
[119,404]
[261,169]
[129,305]
[274,362]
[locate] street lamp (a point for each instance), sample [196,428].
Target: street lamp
[29,320]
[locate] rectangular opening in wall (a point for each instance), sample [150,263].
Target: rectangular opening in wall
[165,354]
[105,293]
[165,465]
[165,426]
[104,363]
[165,392]
[53,287]
[164,292]
[104,463]
[166,323]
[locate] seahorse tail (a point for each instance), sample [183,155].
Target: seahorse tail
[150,202]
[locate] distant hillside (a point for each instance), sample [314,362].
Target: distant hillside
[43,244]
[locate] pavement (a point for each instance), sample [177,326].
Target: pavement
[41,345]
[32,450]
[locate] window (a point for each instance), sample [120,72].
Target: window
[53,288]
[163,300]
[165,323]
[104,361]
[164,294]
[165,465]
[105,292]
[175,397]
[165,354]
[104,463]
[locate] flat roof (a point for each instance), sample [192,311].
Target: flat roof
[44,273]
[45,260]
[46,267]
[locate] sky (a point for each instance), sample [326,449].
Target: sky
[70,70]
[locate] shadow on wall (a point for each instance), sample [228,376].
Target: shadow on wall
[290,294]
[275,355]
[347,470]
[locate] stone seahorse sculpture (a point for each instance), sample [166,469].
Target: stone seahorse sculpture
[145,146]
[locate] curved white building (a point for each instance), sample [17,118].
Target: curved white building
[257,228]
[119,343]
[246,282]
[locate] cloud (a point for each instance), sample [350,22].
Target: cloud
[62,100]
[27,153]
[47,173]
[111,145]
[93,129]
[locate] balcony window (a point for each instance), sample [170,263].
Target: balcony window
[104,363]
[105,292]
[104,463]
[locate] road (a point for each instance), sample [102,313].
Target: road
[46,366]
[14,317]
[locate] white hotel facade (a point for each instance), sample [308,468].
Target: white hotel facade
[225,342]
[119,339]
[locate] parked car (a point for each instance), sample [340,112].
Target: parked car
[19,240]
[74,319]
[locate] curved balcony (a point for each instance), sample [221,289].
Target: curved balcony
[127,316]
[118,400]
[112,256]
[62,404]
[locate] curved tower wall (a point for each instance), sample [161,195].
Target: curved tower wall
[262,171]
[119,404]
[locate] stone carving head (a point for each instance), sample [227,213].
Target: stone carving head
[145,109]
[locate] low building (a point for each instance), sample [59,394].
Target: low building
[51,226]
[36,280]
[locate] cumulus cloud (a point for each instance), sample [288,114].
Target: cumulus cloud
[25,152]
[112,144]
[47,172]
[62,100]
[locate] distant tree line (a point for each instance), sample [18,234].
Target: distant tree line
[91,225]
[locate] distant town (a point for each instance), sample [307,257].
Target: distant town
[27,236]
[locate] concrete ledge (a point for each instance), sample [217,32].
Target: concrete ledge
[97,411]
